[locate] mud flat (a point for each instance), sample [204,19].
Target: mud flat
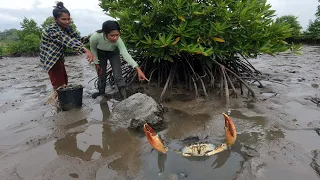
[277,135]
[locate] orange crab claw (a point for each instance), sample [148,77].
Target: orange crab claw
[153,138]
[231,133]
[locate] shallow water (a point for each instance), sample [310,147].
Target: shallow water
[275,135]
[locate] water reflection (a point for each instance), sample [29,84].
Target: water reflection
[68,146]
[161,162]
[221,159]
[222,165]
[101,139]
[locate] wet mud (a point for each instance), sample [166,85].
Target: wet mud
[278,135]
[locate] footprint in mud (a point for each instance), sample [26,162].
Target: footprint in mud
[315,86]
[74,175]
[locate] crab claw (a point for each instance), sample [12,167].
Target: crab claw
[231,133]
[153,138]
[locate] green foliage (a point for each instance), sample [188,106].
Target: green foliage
[313,30]
[9,35]
[26,41]
[318,11]
[168,29]
[294,24]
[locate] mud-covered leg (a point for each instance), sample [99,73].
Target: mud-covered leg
[117,73]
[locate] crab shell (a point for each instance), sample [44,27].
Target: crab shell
[230,131]
[154,138]
[202,149]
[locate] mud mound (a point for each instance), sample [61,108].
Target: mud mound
[315,164]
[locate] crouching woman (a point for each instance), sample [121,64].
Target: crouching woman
[106,44]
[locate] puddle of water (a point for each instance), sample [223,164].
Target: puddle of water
[101,111]
[106,173]
[301,90]
[182,123]
[308,139]
[97,140]
[76,124]
[31,162]
[274,135]
[268,94]
[223,165]
[16,117]
[284,171]
[250,137]
[258,120]
[20,133]
[302,113]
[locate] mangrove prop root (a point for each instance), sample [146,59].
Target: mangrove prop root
[239,78]
[197,76]
[235,93]
[221,83]
[166,86]
[226,88]
[193,74]
[150,77]
[195,87]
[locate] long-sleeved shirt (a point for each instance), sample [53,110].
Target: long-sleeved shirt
[54,41]
[99,41]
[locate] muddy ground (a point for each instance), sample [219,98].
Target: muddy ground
[277,134]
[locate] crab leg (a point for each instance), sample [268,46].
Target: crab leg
[153,138]
[230,130]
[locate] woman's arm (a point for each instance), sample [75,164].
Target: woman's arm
[93,47]
[62,38]
[126,56]
[74,34]
[65,39]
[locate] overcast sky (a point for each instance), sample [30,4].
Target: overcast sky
[88,16]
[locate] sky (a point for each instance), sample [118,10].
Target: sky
[88,16]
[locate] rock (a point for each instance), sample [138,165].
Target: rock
[136,110]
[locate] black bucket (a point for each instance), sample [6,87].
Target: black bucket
[70,97]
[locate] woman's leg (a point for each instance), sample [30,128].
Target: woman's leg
[115,62]
[102,56]
[58,75]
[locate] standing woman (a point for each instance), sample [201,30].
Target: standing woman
[106,44]
[54,41]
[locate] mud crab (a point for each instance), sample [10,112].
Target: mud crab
[195,149]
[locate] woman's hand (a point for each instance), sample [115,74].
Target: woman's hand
[141,75]
[90,56]
[98,69]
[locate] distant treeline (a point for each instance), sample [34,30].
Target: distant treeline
[25,42]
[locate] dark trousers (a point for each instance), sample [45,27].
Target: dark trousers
[114,58]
